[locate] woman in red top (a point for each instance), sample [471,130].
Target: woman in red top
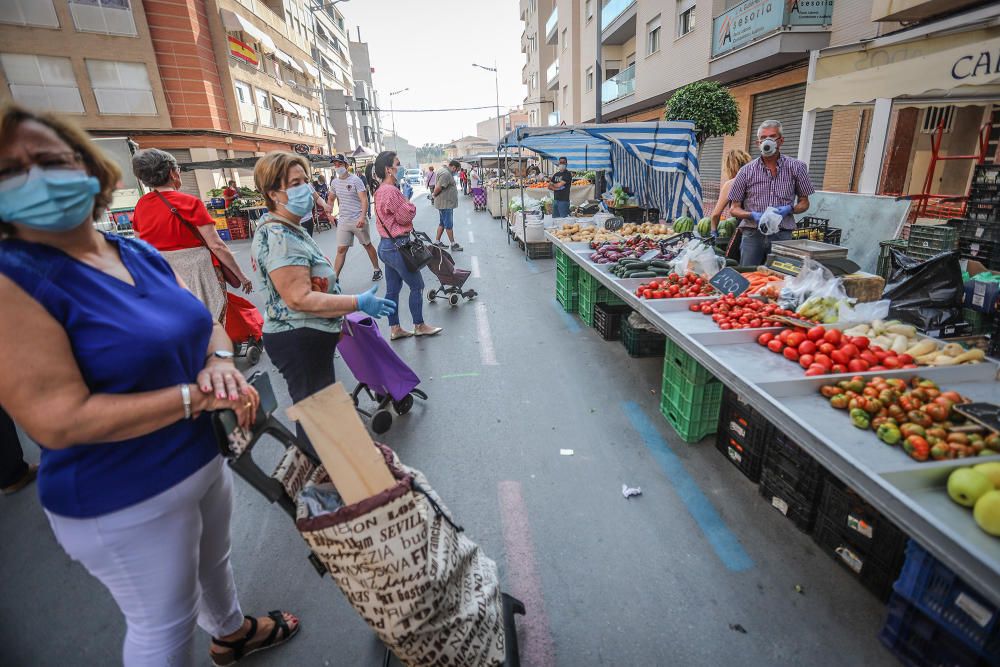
[188,253]
[394,219]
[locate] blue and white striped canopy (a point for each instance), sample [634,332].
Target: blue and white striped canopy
[657,161]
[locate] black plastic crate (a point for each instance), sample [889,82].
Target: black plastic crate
[873,574]
[608,319]
[540,250]
[874,536]
[640,342]
[917,640]
[982,211]
[800,509]
[796,468]
[977,232]
[742,435]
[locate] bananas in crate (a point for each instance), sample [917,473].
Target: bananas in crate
[823,309]
[810,233]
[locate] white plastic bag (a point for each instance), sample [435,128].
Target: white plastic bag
[698,258]
[864,312]
[813,280]
[770,222]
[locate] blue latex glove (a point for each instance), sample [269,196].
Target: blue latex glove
[756,216]
[374,306]
[714,233]
[784,210]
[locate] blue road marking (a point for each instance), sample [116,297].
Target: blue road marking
[571,324]
[726,545]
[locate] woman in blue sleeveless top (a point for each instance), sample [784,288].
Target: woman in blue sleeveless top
[113,368]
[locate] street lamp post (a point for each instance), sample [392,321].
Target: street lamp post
[392,114]
[322,90]
[496,82]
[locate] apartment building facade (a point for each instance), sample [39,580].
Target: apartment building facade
[487,129]
[541,70]
[203,79]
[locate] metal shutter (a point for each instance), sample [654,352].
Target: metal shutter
[189,183]
[786,105]
[710,160]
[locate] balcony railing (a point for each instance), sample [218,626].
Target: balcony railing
[552,26]
[613,10]
[552,74]
[752,20]
[619,85]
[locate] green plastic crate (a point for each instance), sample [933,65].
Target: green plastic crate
[695,400]
[565,263]
[930,240]
[596,292]
[676,358]
[884,259]
[586,309]
[980,322]
[688,428]
[569,302]
[566,284]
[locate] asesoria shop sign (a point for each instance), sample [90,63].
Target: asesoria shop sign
[753,19]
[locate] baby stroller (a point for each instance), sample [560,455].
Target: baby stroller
[244,326]
[479,199]
[452,279]
[457,595]
[380,372]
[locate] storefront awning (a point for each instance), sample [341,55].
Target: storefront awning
[963,66]
[236,23]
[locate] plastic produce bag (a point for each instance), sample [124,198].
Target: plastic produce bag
[814,280]
[863,312]
[770,222]
[698,258]
[925,294]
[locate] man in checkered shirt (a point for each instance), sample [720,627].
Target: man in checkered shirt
[771,180]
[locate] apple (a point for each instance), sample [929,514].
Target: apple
[991,470]
[966,486]
[987,512]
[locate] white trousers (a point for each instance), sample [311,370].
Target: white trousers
[166,563]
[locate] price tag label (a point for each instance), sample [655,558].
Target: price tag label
[613,224]
[730,281]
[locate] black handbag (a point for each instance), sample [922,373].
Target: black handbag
[415,253]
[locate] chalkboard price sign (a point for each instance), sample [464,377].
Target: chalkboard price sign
[730,281]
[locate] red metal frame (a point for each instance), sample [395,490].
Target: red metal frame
[922,209]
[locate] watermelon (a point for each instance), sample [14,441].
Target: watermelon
[683,224]
[727,227]
[704,227]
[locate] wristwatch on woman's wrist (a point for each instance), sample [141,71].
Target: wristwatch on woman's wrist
[220,354]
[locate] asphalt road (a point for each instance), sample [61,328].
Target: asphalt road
[699,570]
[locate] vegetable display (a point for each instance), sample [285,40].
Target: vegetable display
[586,233]
[683,224]
[917,416]
[732,312]
[631,267]
[609,253]
[758,281]
[675,287]
[822,351]
[899,337]
[978,487]
[645,229]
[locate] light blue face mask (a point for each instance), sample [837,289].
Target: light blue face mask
[300,199]
[50,200]
[400,171]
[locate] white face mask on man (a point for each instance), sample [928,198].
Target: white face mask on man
[341,171]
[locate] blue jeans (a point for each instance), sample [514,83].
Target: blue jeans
[560,209]
[447,218]
[754,246]
[396,274]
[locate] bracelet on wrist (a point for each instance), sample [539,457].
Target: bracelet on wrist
[186,398]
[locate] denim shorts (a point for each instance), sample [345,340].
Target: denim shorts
[447,218]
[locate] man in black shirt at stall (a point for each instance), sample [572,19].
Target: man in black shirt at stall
[560,184]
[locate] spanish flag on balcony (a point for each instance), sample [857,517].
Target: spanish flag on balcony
[242,51]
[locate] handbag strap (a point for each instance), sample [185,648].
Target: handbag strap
[194,230]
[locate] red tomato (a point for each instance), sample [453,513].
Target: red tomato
[905,359]
[909,365]
[765,338]
[659,294]
[653,285]
[755,324]
[832,336]
[694,308]
[861,342]
[816,333]
[839,368]
[807,347]
[823,360]
[647,293]
[840,357]
[726,326]
[870,357]
[891,362]
[805,360]
[705,310]
[791,353]
[674,289]
[850,349]
[879,353]
[783,336]
[815,370]
[826,348]
[795,338]
[878,368]
[857,366]
[776,345]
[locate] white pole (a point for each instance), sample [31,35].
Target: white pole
[808,117]
[871,170]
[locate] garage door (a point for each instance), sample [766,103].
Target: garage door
[786,105]
[710,160]
[189,183]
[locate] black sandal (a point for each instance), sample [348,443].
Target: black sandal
[280,634]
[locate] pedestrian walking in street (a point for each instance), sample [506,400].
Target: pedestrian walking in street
[308,221]
[349,192]
[431,182]
[772,180]
[734,161]
[446,201]
[125,367]
[15,473]
[474,178]
[303,303]
[560,184]
[394,219]
[179,226]
[464,180]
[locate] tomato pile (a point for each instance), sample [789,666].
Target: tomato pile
[731,312]
[675,287]
[822,351]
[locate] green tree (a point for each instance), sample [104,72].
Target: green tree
[709,105]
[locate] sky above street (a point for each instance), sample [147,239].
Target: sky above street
[429,47]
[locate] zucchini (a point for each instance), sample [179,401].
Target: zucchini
[638,265]
[661,272]
[641,274]
[630,260]
[660,263]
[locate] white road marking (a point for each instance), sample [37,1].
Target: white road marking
[474,266]
[486,352]
[472,239]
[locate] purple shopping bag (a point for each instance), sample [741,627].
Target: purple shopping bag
[371,359]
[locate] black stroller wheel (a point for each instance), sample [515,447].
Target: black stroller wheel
[253,354]
[431,295]
[453,299]
[381,422]
[403,406]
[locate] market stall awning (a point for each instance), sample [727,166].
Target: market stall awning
[960,66]
[657,161]
[238,23]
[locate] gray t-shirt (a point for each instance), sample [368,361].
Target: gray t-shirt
[448,197]
[346,190]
